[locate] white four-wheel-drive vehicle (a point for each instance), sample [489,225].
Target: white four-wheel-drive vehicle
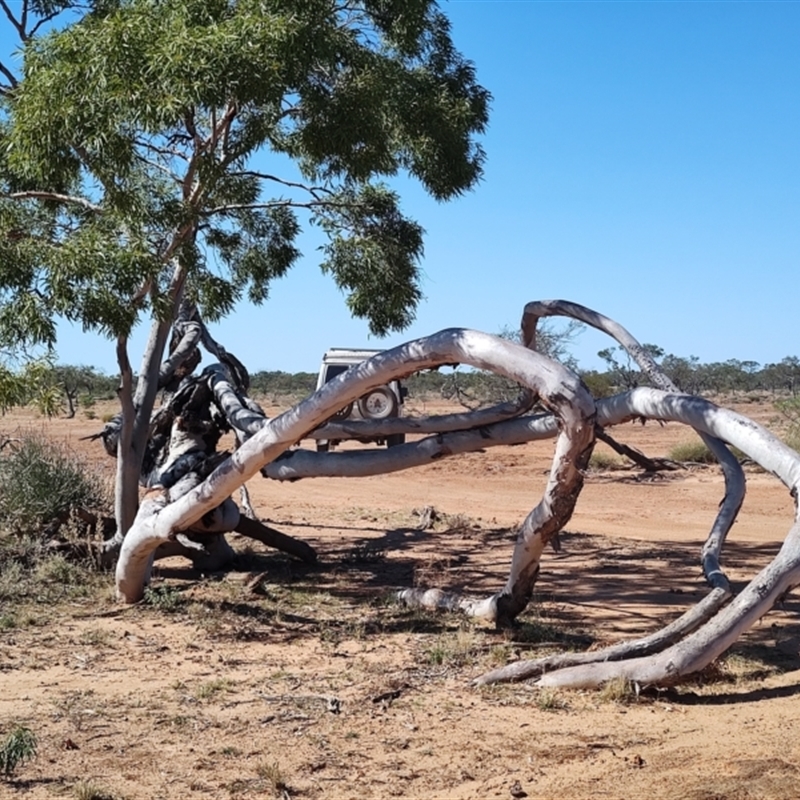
[381,402]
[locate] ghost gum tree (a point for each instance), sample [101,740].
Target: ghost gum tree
[132,179]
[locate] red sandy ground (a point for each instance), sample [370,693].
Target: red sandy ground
[235,694]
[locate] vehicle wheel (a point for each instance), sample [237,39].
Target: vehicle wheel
[323,445]
[394,439]
[343,413]
[380,403]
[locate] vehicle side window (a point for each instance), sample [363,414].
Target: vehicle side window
[334,370]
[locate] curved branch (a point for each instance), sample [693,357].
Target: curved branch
[190,332]
[700,648]
[55,197]
[714,636]
[559,389]
[436,423]
[691,620]
[731,469]
[246,418]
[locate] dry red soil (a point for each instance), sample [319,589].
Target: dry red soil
[281,680]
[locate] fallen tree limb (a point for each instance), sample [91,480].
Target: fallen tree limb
[731,469]
[254,529]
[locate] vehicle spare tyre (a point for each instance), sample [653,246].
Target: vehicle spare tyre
[379,403]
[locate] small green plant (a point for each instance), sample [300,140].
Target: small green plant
[7,622]
[76,706]
[164,598]
[18,747]
[12,575]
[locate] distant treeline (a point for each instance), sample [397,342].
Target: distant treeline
[83,385]
[691,376]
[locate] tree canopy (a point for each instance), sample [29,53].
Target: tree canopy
[158,157]
[135,138]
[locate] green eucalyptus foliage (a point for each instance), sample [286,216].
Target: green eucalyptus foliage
[133,142]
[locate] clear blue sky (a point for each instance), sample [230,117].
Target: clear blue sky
[643,159]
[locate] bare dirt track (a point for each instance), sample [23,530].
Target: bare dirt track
[281,680]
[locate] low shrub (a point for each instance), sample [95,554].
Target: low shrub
[41,481]
[790,408]
[601,460]
[694,452]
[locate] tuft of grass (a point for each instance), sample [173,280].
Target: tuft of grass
[60,571]
[750,663]
[550,700]
[602,460]
[694,452]
[790,408]
[32,574]
[362,554]
[456,649]
[618,690]
[538,631]
[95,637]
[18,747]
[698,453]
[272,775]
[87,790]
[210,689]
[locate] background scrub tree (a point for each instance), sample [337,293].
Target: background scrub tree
[132,172]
